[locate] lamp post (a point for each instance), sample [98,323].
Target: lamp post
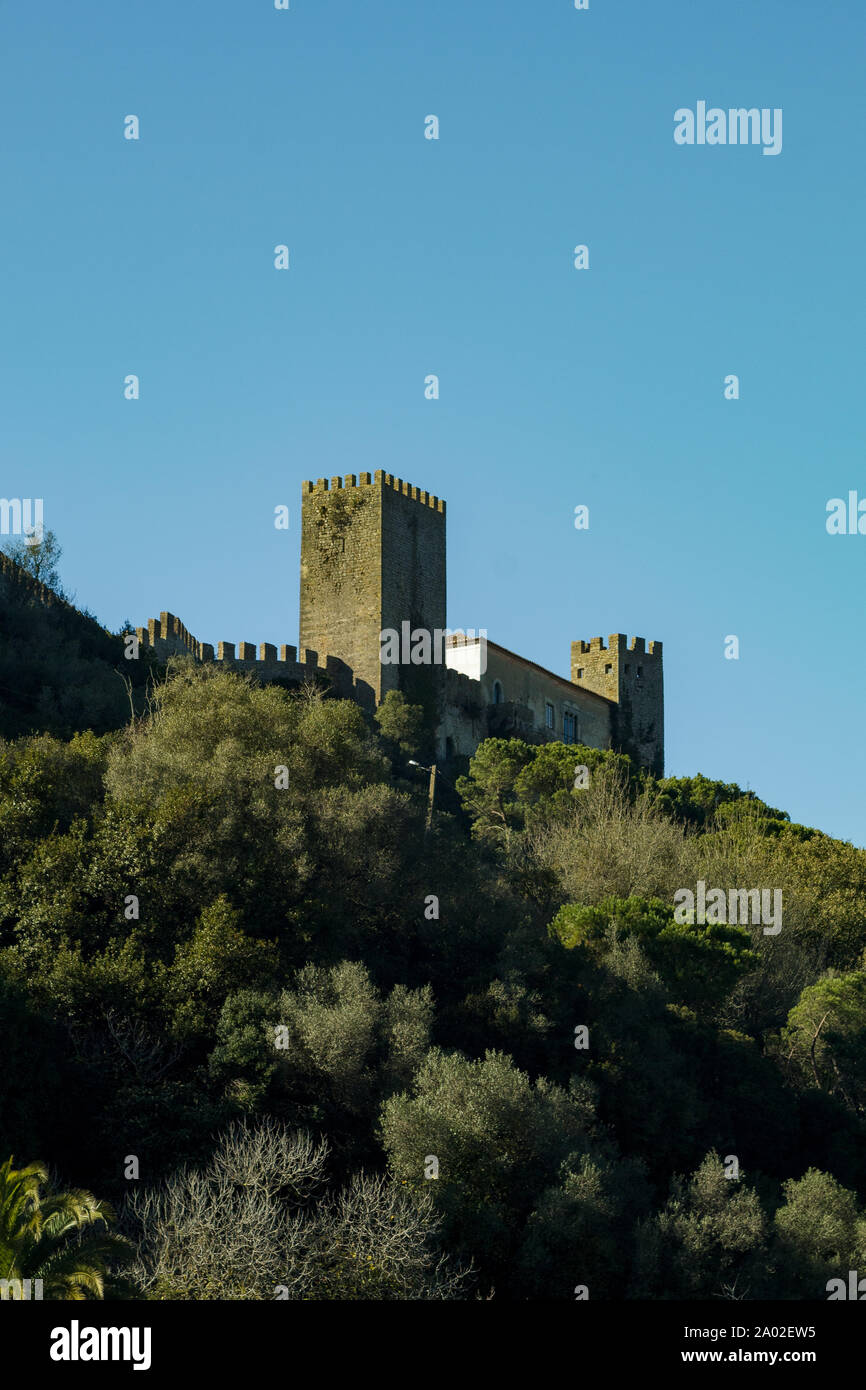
[431,796]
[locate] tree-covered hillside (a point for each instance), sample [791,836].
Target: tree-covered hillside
[304,1049]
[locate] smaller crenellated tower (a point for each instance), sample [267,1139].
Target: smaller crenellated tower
[631,677]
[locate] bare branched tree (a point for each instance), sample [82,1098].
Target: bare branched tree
[149,1056]
[113,1038]
[227,1232]
[271,1158]
[254,1225]
[376,1240]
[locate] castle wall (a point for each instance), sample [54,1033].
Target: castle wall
[464,717]
[167,636]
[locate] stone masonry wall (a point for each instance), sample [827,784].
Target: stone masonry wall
[167,636]
[372,556]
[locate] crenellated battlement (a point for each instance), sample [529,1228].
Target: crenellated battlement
[167,636]
[617,642]
[350,481]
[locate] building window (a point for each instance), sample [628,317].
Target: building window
[580,673]
[569,727]
[549,716]
[608,669]
[640,670]
[498,695]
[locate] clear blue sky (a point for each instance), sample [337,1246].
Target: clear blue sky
[409,257]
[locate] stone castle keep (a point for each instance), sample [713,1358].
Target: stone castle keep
[373,559]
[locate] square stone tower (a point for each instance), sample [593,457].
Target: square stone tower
[631,677]
[373,558]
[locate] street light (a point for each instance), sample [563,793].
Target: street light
[431,796]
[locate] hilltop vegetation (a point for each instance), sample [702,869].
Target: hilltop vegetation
[292,1007]
[61,672]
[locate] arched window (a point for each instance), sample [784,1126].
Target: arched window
[498,695]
